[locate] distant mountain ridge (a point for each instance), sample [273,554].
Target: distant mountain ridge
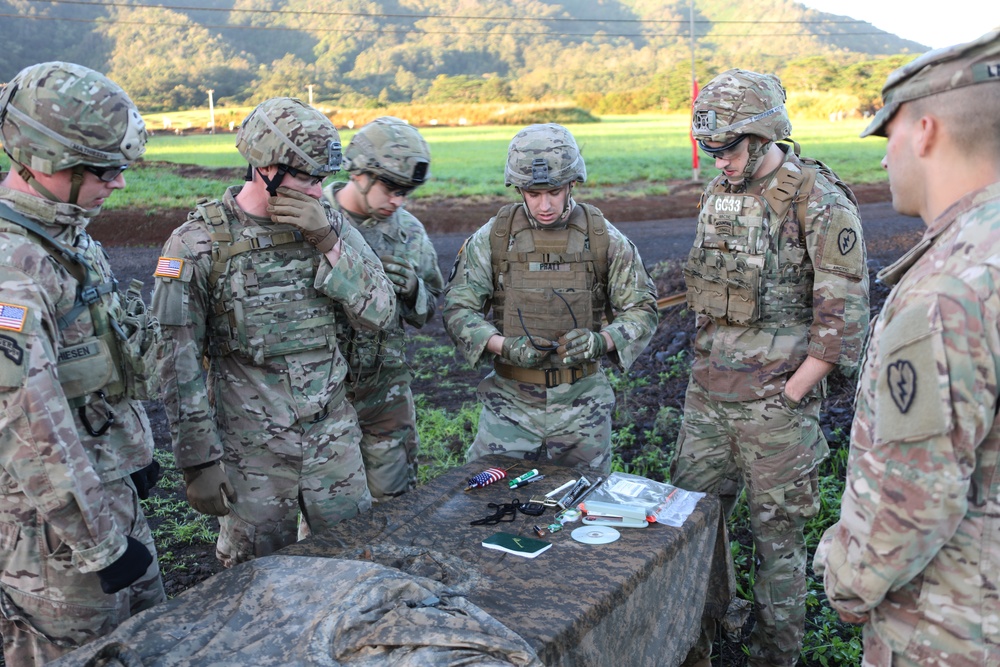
[372,52]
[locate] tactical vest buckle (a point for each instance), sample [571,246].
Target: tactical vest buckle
[262,242]
[89,295]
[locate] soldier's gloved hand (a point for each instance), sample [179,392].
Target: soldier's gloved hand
[520,351]
[127,569]
[578,345]
[295,208]
[402,275]
[205,487]
[146,479]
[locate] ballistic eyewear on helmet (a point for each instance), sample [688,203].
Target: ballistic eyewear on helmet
[301,175]
[395,189]
[106,174]
[724,152]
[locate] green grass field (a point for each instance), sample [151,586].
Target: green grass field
[626,155]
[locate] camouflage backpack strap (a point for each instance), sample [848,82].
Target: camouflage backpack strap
[786,192]
[74,262]
[500,236]
[214,215]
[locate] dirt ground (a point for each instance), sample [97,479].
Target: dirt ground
[653,384]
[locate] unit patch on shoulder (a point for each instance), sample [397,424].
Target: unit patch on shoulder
[11,350]
[12,316]
[902,378]
[168,267]
[846,240]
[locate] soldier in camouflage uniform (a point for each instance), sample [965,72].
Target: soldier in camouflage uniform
[549,269]
[76,450]
[916,553]
[778,280]
[387,159]
[253,283]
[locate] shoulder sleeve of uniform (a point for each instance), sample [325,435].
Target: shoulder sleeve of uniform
[841,246]
[912,395]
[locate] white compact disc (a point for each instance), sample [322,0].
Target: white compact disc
[595,534]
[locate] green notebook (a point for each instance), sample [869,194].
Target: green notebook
[529,547]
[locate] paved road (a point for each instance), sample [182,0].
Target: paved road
[887,235]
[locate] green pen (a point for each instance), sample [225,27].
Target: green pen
[521,478]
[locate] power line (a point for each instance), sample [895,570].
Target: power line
[570,19]
[437,32]
[422,31]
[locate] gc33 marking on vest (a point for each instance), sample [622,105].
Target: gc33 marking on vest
[846,240]
[902,379]
[11,349]
[728,204]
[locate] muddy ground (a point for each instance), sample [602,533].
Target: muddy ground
[662,228]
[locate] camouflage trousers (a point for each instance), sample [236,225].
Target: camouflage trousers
[569,424]
[47,606]
[388,421]
[772,450]
[314,467]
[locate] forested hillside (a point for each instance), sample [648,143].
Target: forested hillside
[616,53]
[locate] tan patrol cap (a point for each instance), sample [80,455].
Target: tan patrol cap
[937,71]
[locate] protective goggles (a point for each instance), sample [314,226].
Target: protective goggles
[726,151]
[106,174]
[395,189]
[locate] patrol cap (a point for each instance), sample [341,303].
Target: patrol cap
[939,71]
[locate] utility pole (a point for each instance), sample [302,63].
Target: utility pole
[310,87]
[694,95]
[211,112]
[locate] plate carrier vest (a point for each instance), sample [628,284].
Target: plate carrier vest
[264,303]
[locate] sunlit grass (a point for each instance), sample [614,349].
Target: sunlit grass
[625,155]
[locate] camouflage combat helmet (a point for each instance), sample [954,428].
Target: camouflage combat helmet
[392,149]
[741,105]
[59,115]
[739,102]
[543,156]
[287,133]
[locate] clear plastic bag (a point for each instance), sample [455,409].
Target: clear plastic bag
[664,503]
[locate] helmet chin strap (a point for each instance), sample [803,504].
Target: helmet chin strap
[30,179]
[364,190]
[272,184]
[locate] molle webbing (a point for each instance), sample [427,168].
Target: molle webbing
[549,279]
[264,303]
[87,292]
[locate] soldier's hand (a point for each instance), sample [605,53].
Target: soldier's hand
[579,345]
[127,569]
[145,479]
[291,207]
[402,274]
[205,489]
[520,351]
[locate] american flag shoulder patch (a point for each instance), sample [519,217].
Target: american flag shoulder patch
[12,316]
[168,267]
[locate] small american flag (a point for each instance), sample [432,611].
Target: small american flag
[488,476]
[168,267]
[12,317]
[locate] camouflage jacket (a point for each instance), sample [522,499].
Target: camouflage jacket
[740,363]
[277,393]
[916,545]
[468,298]
[53,470]
[401,235]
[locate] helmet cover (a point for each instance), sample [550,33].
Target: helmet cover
[543,156]
[287,131]
[392,149]
[57,115]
